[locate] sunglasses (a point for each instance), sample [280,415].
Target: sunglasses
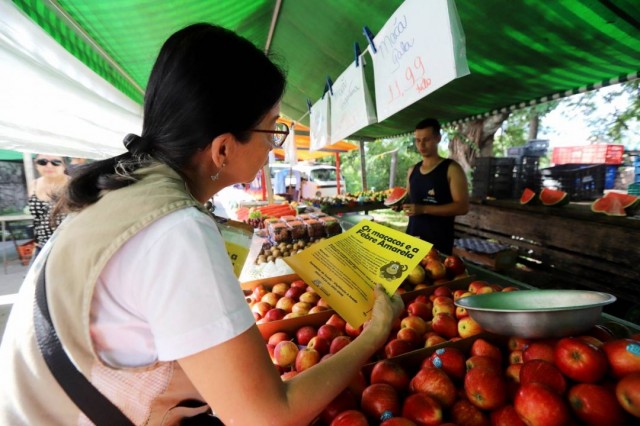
[44,162]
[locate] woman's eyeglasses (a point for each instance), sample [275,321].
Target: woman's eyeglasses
[44,162]
[278,135]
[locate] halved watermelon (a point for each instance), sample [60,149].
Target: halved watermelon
[553,197]
[396,196]
[528,197]
[626,200]
[612,206]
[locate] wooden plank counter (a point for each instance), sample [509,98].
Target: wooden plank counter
[598,251]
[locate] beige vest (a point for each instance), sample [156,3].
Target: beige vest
[78,252]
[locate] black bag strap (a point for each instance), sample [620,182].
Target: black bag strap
[90,400]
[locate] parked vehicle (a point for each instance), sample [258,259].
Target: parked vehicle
[317,180]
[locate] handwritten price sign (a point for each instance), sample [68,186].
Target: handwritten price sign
[419,49]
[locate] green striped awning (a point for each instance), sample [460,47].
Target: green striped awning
[519,52]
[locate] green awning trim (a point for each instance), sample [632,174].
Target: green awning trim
[518,52]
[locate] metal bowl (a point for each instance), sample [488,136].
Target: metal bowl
[537,313]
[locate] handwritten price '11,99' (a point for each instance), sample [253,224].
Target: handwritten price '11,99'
[414,77]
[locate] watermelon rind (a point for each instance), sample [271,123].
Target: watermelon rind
[396,196]
[528,197]
[553,197]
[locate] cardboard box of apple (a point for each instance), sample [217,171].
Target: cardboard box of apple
[491,380]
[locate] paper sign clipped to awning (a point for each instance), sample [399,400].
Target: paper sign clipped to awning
[345,269]
[418,50]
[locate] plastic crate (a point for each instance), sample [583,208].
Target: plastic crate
[610,177]
[589,154]
[493,177]
[581,182]
[634,189]
[526,174]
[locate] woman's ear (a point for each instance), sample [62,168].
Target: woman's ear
[222,148]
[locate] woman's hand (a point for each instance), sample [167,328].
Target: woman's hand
[385,310]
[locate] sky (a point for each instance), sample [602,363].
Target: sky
[565,126]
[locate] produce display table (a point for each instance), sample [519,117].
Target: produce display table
[594,250]
[351,208]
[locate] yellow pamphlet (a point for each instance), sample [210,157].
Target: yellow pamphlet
[345,269]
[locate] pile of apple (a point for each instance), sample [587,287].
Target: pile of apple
[502,382]
[434,269]
[284,301]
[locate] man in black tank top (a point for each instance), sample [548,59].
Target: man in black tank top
[437,190]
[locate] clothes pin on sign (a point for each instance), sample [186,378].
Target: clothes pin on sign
[367,33]
[356,52]
[329,85]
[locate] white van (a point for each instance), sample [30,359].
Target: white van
[318,180]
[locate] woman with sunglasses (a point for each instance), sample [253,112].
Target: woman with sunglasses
[44,190]
[139,285]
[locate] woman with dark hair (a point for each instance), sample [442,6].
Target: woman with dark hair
[139,287]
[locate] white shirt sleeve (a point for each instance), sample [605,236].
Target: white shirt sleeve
[169,292]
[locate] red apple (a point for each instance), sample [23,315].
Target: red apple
[435,383]
[301,308]
[292,315]
[337,321]
[352,332]
[454,265]
[294,293]
[596,405]
[543,372]
[517,343]
[435,269]
[285,303]
[380,401]
[628,393]
[280,288]
[328,332]
[323,302]
[320,344]
[512,373]
[515,357]
[420,309]
[474,286]
[450,360]
[274,314]
[309,297]
[271,298]
[346,400]
[285,353]
[465,413]
[398,421]
[422,409]
[306,358]
[305,333]
[338,343]
[483,347]
[433,340]
[484,388]
[445,325]
[299,283]
[316,309]
[397,347]
[422,298]
[580,361]
[261,308]
[459,292]
[510,288]
[391,373]
[277,337]
[441,300]
[468,327]
[623,356]
[410,335]
[443,291]
[350,418]
[538,405]
[444,308]
[506,416]
[416,323]
[483,362]
[538,350]
[461,312]
[258,292]
[486,289]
